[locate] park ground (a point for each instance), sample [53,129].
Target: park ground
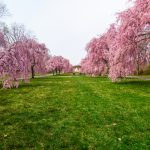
[76,113]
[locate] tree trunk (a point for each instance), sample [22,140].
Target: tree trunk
[56,71]
[138,64]
[107,70]
[32,72]
[138,69]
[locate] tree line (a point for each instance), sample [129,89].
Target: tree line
[22,56]
[124,49]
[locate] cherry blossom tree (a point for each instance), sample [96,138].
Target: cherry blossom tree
[132,40]
[37,56]
[20,57]
[58,64]
[67,67]
[20,54]
[98,51]
[123,49]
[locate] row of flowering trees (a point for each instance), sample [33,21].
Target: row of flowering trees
[125,48]
[58,64]
[22,56]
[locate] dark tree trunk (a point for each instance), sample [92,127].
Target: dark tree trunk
[56,71]
[107,65]
[32,72]
[138,69]
[107,71]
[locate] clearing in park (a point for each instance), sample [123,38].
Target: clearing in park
[76,112]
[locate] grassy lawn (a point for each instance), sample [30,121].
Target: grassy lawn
[76,113]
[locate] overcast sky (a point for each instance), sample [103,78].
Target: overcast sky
[65,26]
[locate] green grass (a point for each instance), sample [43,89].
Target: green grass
[76,113]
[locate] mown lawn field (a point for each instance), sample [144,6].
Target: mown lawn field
[76,113]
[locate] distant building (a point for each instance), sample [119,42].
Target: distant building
[77,69]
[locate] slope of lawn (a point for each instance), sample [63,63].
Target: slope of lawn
[76,113]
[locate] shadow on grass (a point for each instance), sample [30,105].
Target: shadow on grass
[32,85]
[26,116]
[5,102]
[135,82]
[48,79]
[28,126]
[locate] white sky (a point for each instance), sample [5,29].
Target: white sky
[65,26]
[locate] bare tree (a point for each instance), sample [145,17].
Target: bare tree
[3,10]
[15,33]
